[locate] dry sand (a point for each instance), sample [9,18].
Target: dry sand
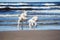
[30,35]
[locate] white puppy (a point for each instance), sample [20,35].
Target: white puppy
[32,22]
[22,17]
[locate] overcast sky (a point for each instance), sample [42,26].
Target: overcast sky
[29,0]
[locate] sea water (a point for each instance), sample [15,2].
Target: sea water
[7,25]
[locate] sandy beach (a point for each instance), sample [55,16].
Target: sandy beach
[30,35]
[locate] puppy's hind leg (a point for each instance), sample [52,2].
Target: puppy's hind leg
[18,26]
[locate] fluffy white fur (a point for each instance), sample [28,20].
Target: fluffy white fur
[21,18]
[32,22]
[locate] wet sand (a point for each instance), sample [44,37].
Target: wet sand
[30,35]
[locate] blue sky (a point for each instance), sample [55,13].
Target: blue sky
[29,0]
